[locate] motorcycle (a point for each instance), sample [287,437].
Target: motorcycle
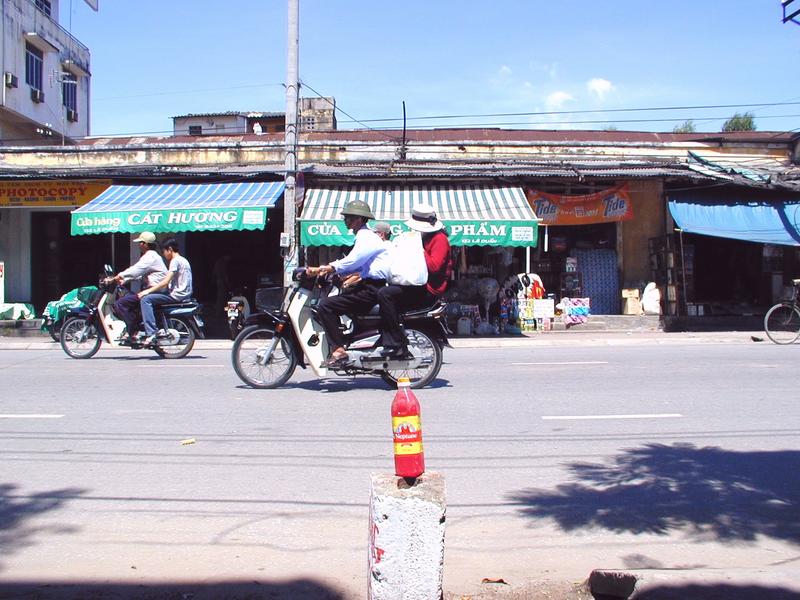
[274,342]
[85,328]
[237,309]
[53,314]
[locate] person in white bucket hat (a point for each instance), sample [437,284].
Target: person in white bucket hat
[424,219]
[394,299]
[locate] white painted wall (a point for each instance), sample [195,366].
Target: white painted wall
[211,124]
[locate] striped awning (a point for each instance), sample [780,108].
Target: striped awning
[178,207]
[475,215]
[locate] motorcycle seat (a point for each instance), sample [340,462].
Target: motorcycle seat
[420,312]
[191,302]
[414,312]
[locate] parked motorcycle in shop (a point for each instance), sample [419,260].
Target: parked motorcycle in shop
[85,328]
[237,309]
[274,342]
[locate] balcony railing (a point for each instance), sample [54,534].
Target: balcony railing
[74,43]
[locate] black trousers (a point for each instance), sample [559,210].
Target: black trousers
[396,299]
[129,310]
[358,300]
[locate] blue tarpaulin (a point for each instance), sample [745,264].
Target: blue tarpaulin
[768,221]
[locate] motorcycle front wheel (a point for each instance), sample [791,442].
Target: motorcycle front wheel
[79,338]
[431,352]
[184,346]
[261,359]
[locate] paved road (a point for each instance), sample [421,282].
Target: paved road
[677,461]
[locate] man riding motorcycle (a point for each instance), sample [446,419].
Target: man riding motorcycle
[370,260]
[151,268]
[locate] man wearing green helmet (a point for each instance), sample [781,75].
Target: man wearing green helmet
[370,260]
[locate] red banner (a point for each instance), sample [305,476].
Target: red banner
[602,207]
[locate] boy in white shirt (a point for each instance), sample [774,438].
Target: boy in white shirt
[178,282]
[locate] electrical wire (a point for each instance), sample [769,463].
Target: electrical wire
[580,112]
[176,93]
[353,119]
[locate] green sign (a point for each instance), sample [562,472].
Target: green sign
[462,233]
[194,219]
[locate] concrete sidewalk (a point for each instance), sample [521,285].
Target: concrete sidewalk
[532,340]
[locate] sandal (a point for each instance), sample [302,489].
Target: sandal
[336,361]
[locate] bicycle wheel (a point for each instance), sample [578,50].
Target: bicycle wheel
[782,323]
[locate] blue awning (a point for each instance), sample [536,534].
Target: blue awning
[768,221]
[178,207]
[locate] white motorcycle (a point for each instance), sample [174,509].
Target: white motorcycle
[273,343]
[86,327]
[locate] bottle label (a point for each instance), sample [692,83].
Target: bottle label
[407,434]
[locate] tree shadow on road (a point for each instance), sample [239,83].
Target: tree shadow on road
[300,589]
[706,492]
[721,591]
[17,509]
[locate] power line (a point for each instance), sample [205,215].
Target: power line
[353,119]
[579,112]
[176,93]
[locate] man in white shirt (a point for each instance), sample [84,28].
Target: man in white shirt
[150,267]
[369,259]
[178,283]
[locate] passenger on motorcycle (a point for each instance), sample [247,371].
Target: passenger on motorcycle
[368,259]
[395,299]
[150,267]
[178,282]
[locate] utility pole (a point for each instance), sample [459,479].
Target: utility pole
[289,238]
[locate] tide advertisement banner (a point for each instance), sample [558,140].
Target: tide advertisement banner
[46,194]
[601,207]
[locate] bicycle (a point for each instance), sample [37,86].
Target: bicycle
[782,321]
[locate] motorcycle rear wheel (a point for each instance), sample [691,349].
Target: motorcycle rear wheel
[55,330]
[431,351]
[249,358]
[79,338]
[187,340]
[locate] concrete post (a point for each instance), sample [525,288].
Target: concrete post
[406,537]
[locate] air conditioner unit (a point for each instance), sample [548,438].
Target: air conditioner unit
[11,80]
[72,115]
[37,95]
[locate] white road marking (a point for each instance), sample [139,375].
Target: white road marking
[588,417]
[30,416]
[566,362]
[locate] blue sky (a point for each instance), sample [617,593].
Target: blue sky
[153,59]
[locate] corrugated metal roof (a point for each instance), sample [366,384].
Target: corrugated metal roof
[232,113]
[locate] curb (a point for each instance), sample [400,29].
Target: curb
[546,339]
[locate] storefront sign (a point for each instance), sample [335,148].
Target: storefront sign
[158,221]
[45,194]
[602,207]
[462,233]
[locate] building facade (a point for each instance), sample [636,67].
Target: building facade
[640,181]
[315,114]
[46,87]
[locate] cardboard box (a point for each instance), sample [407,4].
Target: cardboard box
[630,293]
[632,306]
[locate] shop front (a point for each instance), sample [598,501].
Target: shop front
[734,252]
[228,231]
[581,252]
[42,260]
[491,230]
